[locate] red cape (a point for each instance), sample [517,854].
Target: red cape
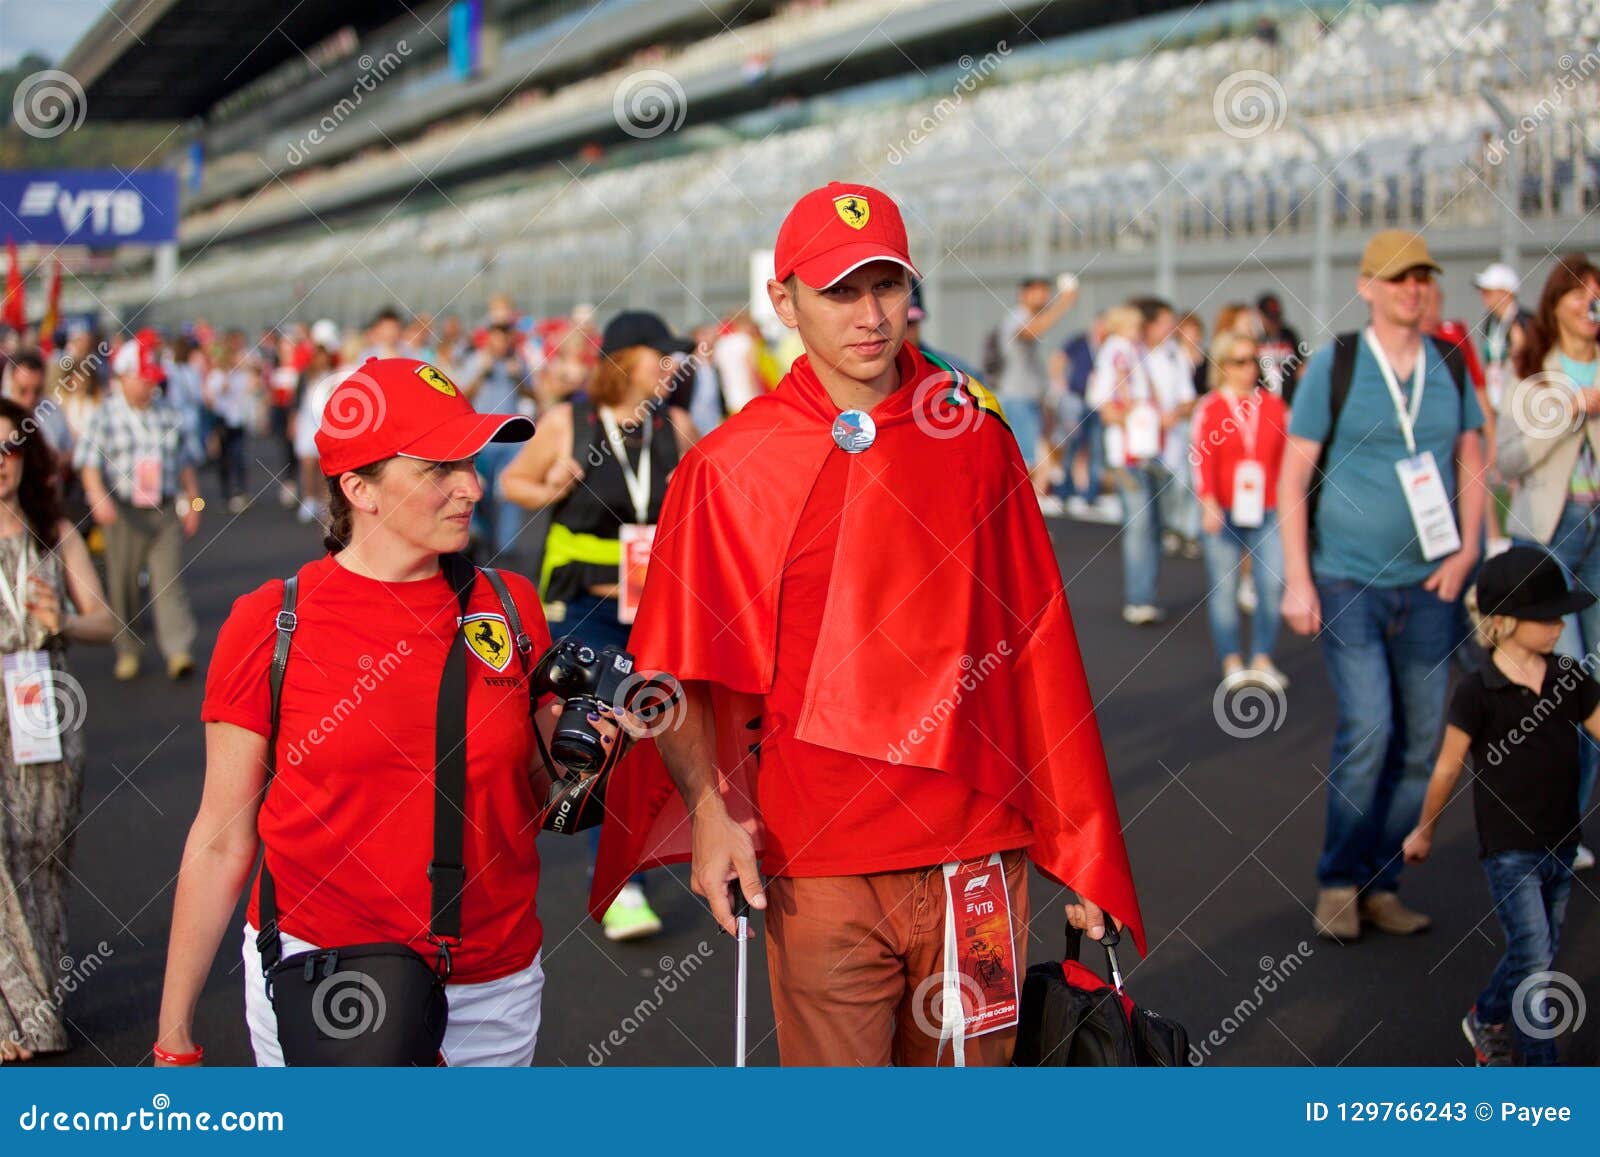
[946,642]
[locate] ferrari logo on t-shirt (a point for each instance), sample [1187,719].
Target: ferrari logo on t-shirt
[853,210]
[437,380]
[489,638]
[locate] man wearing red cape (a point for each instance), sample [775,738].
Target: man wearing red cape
[884,703]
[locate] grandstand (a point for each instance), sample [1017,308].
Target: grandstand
[634,153]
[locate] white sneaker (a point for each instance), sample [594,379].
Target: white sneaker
[1108,509]
[630,916]
[1050,506]
[307,512]
[238,504]
[1078,507]
[1247,594]
[1142,614]
[1583,860]
[1263,670]
[1171,543]
[286,496]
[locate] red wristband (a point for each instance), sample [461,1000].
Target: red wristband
[170,1058]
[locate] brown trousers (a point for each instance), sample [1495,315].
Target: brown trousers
[151,540]
[855,965]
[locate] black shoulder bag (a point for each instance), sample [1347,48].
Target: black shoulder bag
[378,1004]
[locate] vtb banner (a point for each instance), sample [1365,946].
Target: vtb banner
[98,207]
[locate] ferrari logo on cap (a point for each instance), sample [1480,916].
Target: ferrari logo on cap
[437,380]
[488,636]
[853,210]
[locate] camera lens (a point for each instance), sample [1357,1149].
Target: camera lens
[576,742]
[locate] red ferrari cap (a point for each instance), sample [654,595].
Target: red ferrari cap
[836,229]
[390,406]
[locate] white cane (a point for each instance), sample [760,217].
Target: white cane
[741,912]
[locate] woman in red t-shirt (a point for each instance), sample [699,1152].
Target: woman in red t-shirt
[1236,448]
[347,821]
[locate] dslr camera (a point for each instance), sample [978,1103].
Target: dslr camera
[591,681]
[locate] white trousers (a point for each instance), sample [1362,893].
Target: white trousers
[495,1023]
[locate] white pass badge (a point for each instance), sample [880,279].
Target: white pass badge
[1249,495]
[1143,431]
[1431,512]
[854,431]
[32,709]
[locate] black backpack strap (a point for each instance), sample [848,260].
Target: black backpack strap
[268,943]
[519,637]
[1340,376]
[448,872]
[1455,361]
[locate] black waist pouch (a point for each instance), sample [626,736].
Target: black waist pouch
[366,1004]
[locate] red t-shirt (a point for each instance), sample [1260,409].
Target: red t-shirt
[1226,432]
[348,819]
[828,813]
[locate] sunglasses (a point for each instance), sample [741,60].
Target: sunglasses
[1420,276]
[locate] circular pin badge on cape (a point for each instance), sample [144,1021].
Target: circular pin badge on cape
[854,431]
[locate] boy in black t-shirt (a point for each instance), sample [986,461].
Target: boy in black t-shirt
[1517,716]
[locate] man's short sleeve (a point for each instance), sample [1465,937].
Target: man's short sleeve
[1471,412]
[1466,705]
[236,678]
[1588,694]
[1015,320]
[1309,418]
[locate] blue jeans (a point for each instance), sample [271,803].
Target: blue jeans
[1141,531]
[1580,562]
[1224,552]
[496,519]
[1530,898]
[1388,651]
[1026,419]
[1180,509]
[1085,434]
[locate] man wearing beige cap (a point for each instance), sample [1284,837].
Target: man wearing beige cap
[1381,503]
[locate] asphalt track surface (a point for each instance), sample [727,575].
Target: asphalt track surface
[1223,832]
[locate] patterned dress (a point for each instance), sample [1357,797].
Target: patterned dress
[39,810]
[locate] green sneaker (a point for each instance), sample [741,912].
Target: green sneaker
[630,916]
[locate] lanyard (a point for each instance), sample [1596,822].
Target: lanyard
[637,480]
[1419,379]
[14,594]
[1499,331]
[1247,430]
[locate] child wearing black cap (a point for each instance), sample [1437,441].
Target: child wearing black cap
[1517,717]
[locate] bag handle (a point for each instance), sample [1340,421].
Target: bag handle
[268,943]
[1109,942]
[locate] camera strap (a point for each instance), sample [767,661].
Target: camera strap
[447,872]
